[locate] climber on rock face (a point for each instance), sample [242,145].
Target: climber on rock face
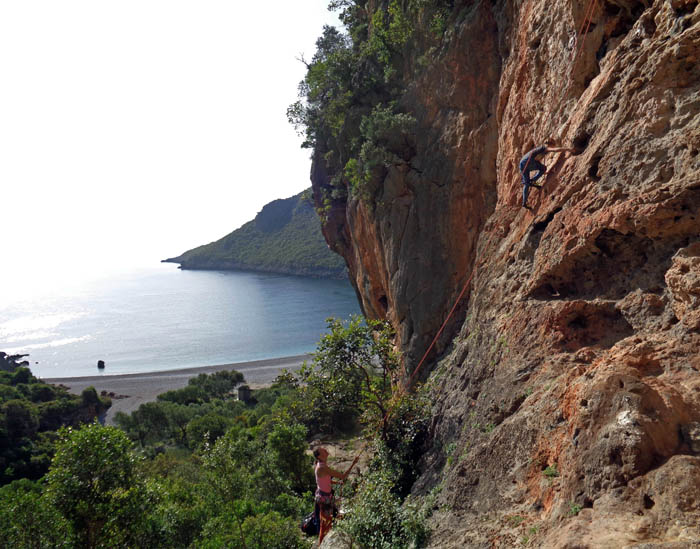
[529,163]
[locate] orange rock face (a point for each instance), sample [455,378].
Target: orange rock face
[568,386]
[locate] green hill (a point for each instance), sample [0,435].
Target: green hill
[285,237]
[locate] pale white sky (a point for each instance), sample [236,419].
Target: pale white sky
[133,130]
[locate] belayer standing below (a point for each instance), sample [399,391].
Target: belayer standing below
[529,163]
[325,502]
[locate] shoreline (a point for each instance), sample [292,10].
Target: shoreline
[132,390]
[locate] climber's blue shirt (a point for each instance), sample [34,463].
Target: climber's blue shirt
[534,153]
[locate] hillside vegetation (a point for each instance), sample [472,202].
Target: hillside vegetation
[285,237]
[199,468]
[30,414]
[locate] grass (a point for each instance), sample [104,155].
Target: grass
[449,451]
[516,520]
[551,471]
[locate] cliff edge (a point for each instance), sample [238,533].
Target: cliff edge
[567,380]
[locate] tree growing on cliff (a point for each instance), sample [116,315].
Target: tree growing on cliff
[349,109]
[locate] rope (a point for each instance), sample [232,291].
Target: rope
[592,4]
[586,23]
[449,315]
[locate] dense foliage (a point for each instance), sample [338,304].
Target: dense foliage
[350,109]
[246,483]
[30,413]
[199,468]
[285,237]
[350,376]
[380,519]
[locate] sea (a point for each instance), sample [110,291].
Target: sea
[163,318]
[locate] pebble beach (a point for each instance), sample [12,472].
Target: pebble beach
[132,390]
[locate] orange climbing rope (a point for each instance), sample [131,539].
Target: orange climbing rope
[449,315]
[587,24]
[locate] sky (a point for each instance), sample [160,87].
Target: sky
[132,131]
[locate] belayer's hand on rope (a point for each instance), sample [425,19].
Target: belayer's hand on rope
[354,462]
[357,458]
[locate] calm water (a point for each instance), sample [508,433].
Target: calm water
[164,318]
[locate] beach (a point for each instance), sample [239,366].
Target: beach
[132,390]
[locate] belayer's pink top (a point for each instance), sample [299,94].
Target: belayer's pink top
[322,483]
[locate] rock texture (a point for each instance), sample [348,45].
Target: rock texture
[567,384]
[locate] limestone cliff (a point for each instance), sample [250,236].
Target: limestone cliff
[567,384]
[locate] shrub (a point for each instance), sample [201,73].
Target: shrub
[206,429]
[93,484]
[268,530]
[27,520]
[377,518]
[351,373]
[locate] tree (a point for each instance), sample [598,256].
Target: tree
[287,444]
[93,483]
[22,375]
[27,520]
[226,464]
[21,419]
[149,423]
[206,429]
[178,417]
[351,374]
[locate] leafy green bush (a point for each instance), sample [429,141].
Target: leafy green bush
[388,139]
[206,429]
[268,530]
[93,484]
[351,372]
[377,518]
[403,442]
[30,412]
[28,520]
